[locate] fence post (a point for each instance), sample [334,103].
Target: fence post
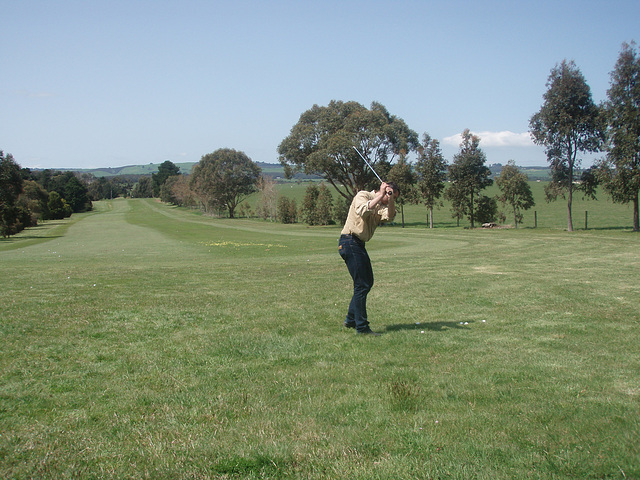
[535,219]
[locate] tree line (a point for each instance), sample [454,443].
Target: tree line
[29,196]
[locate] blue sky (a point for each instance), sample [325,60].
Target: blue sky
[90,84]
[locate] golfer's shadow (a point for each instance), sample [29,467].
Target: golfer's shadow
[433,326]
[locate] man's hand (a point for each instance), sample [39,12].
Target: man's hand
[385,195]
[382,191]
[385,189]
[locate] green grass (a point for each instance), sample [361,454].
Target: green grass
[145,341]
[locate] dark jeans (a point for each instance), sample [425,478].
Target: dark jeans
[354,254]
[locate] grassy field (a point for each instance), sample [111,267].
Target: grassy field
[146,341]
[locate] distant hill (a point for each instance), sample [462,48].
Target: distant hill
[537,173]
[274,170]
[533,173]
[132,169]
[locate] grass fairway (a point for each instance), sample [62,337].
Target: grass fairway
[145,341]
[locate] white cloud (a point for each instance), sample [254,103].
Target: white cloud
[494,139]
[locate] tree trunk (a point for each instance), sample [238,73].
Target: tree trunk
[430,217]
[515,216]
[569,202]
[636,219]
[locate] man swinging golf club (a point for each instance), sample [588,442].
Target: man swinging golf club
[367,211]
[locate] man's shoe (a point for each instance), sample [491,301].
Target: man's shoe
[349,325]
[369,332]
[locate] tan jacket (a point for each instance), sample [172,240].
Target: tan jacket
[362,221]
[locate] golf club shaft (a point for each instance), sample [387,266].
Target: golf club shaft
[365,161]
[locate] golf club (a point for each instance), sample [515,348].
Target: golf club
[365,161]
